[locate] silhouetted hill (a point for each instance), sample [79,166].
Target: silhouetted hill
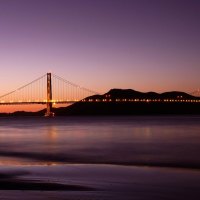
[129,93]
[132,94]
[130,102]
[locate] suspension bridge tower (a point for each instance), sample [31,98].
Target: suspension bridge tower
[49,112]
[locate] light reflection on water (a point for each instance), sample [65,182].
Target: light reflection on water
[143,140]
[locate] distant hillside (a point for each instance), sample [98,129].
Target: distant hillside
[132,94]
[130,102]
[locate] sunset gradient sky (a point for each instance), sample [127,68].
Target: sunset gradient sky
[146,45]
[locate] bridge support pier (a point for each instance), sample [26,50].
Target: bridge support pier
[49,97]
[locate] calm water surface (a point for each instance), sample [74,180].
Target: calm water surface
[171,141]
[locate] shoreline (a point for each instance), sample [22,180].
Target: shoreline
[173,166]
[83,181]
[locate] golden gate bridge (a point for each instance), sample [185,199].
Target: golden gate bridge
[48,89]
[51,89]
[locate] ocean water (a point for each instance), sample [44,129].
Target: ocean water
[165,141]
[126,157]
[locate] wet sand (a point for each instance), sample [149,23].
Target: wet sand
[80,181]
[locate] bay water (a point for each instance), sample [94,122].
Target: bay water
[166,141]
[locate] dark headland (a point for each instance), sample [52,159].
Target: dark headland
[127,102]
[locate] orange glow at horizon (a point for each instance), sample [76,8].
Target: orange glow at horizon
[27,108]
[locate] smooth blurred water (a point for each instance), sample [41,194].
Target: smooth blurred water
[172,141]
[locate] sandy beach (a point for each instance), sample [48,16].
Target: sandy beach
[86,181]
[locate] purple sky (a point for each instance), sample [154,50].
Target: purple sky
[146,45]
